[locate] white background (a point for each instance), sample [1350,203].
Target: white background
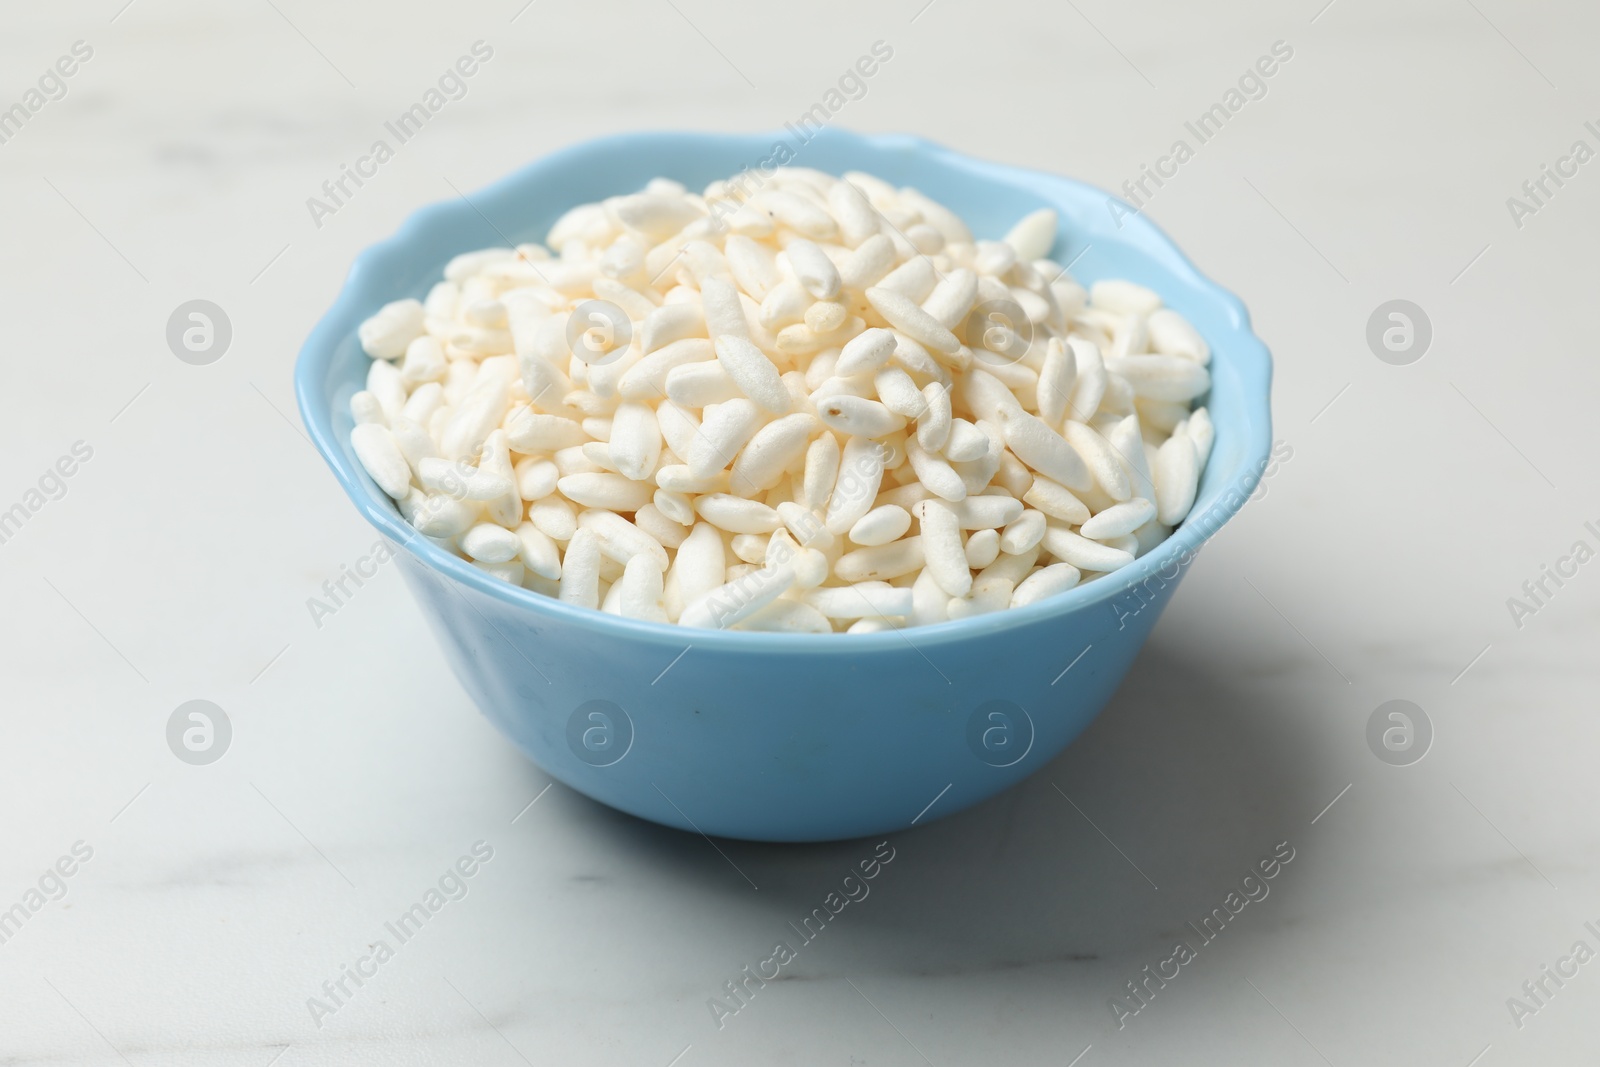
[1378,565]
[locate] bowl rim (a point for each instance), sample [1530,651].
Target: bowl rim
[360,296]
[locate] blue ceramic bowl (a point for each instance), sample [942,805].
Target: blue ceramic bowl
[780,737]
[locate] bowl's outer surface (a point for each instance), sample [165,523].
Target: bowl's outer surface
[791,737]
[777,745]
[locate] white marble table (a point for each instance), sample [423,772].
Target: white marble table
[1418,499]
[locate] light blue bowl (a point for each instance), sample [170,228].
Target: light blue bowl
[779,737]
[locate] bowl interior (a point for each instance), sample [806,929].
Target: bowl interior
[989,196]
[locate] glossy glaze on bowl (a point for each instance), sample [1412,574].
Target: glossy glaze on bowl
[791,737]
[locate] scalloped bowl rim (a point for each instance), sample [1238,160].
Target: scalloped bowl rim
[359,297]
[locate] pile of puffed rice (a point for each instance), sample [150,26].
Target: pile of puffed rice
[798,403]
